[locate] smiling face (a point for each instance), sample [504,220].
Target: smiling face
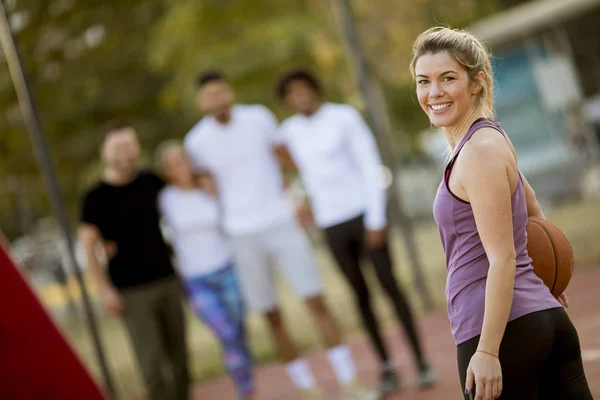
[120,150]
[176,166]
[445,91]
[301,97]
[216,98]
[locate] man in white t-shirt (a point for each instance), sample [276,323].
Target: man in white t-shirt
[237,146]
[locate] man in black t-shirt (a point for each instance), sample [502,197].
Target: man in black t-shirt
[120,212]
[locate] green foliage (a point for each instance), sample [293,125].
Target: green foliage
[89,61]
[250,41]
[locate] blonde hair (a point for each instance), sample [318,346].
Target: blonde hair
[160,152]
[467,50]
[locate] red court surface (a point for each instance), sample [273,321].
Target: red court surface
[584,296]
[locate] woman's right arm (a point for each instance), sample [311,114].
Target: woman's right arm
[533,206]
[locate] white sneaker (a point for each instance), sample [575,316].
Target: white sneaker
[354,390]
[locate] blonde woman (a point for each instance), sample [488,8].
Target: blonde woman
[205,261]
[515,340]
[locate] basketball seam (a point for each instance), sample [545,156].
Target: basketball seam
[553,252]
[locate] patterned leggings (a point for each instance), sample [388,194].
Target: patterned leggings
[218,301]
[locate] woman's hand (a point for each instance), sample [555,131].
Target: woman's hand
[485,371]
[564,300]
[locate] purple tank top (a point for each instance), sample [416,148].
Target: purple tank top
[467,263]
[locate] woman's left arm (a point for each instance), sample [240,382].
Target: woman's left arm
[485,179]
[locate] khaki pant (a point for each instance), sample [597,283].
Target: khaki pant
[155,322]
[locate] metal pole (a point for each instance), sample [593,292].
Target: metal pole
[376,110]
[40,145]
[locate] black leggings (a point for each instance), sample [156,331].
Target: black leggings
[346,242]
[540,357]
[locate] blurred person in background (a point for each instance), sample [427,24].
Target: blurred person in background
[514,339]
[205,261]
[121,214]
[338,161]
[237,147]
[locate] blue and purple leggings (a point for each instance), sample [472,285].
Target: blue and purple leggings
[217,300]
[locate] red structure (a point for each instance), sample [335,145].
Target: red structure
[36,362]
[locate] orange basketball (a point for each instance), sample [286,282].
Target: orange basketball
[551,253]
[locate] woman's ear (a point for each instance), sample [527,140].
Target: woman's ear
[478,82]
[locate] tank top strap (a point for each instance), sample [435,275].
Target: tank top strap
[478,124]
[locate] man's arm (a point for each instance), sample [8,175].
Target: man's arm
[365,154]
[285,158]
[275,136]
[90,237]
[204,177]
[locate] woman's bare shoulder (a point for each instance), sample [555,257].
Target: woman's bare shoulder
[487,146]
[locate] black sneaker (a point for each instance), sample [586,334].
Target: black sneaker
[427,378]
[389,382]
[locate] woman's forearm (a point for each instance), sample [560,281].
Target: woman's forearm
[534,209]
[498,301]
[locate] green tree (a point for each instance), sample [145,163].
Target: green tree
[87,63]
[250,41]
[91,61]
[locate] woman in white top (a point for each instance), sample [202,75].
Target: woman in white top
[205,261]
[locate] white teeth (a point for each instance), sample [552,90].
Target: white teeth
[438,107]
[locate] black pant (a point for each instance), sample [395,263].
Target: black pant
[540,358]
[346,241]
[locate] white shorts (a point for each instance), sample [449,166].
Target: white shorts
[283,246]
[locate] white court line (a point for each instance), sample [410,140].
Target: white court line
[591,355]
